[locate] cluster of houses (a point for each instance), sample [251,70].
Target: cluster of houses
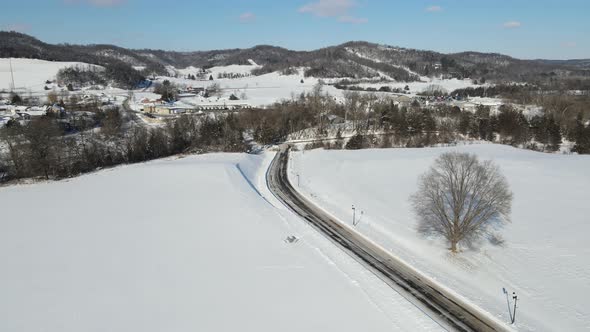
[11,112]
[8,111]
[187,103]
[166,108]
[195,90]
[465,104]
[102,99]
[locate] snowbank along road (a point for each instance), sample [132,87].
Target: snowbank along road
[441,304]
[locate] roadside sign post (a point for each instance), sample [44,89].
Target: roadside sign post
[515,298]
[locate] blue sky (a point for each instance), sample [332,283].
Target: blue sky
[556,29]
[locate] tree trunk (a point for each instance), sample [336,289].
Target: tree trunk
[455,235]
[454,246]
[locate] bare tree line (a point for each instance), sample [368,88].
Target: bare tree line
[55,147]
[41,147]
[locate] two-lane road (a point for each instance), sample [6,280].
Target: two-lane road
[442,305]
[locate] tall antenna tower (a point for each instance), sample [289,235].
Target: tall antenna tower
[11,75]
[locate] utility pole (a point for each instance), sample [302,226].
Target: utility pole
[11,75]
[507,303]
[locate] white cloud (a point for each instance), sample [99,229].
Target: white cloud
[434,9]
[247,17]
[352,19]
[328,8]
[334,8]
[512,24]
[97,3]
[569,44]
[106,3]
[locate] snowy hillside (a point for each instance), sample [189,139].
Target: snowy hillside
[449,85]
[31,74]
[260,90]
[194,244]
[545,255]
[352,59]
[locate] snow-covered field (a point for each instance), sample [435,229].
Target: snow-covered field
[193,244]
[259,90]
[545,259]
[449,85]
[31,74]
[215,71]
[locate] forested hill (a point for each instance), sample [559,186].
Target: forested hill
[353,59]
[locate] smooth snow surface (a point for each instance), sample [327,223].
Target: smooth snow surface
[545,258]
[193,244]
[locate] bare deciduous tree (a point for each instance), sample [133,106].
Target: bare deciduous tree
[461,198]
[112,124]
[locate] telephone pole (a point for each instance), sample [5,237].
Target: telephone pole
[11,75]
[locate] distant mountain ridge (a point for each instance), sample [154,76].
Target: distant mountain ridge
[352,59]
[579,63]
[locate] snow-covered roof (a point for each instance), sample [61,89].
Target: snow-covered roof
[186,95]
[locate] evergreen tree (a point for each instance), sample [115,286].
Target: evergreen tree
[581,136]
[15,99]
[465,123]
[554,132]
[539,125]
[578,128]
[356,142]
[523,133]
[400,122]
[428,121]
[512,126]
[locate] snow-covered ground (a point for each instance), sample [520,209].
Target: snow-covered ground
[215,71]
[260,90]
[31,74]
[417,87]
[545,259]
[251,90]
[193,244]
